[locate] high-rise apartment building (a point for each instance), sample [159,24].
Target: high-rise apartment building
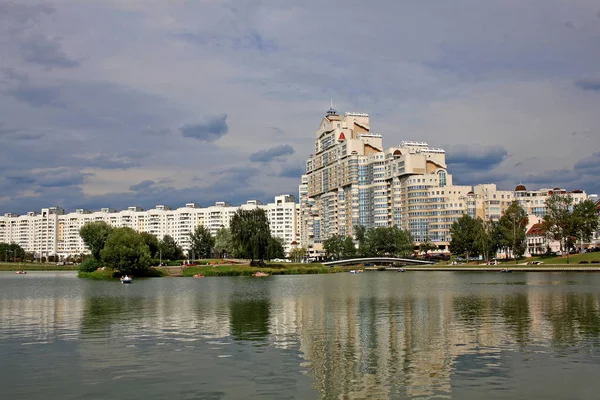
[352,180]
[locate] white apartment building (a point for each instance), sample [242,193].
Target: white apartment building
[52,232]
[352,180]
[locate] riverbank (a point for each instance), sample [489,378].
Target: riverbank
[498,268]
[271,269]
[154,272]
[36,267]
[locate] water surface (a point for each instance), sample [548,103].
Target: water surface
[413,335]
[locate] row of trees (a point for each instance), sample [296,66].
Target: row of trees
[125,249]
[12,252]
[249,236]
[373,242]
[130,251]
[564,222]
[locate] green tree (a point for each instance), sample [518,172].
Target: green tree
[427,246]
[126,251]
[223,242]
[334,245]
[585,220]
[512,226]
[462,232]
[404,242]
[275,248]
[202,242]
[486,238]
[11,251]
[250,233]
[94,235]
[348,247]
[297,254]
[558,221]
[360,233]
[388,241]
[152,243]
[169,249]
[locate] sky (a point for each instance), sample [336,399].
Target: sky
[115,103]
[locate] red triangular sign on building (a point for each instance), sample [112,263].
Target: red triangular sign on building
[342,137]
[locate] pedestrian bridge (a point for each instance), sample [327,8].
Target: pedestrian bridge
[378,260]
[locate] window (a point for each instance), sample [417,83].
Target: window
[442,178]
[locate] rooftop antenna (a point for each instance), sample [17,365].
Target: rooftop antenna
[331,110]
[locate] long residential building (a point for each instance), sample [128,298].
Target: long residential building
[54,232]
[352,180]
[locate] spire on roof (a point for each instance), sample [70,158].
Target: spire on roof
[331,110]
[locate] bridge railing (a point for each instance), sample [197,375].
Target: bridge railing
[405,261]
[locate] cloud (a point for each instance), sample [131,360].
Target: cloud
[278,131]
[474,157]
[246,40]
[47,52]
[144,185]
[23,13]
[552,177]
[589,84]
[37,96]
[156,131]
[589,165]
[268,155]
[7,131]
[118,161]
[58,177]
[292,171]
[209,131]
[265,64]
[20,87]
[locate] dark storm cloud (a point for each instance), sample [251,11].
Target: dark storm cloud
[45,51]
[292,171]
[474,157]
[37,96]
[208,131]
[589,165]
[59,177]
[552,178]
[23,13]
[589,84]
[144,185]
[7,131]
[273,153]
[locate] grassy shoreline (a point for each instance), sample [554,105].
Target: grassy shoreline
[271,269]
[36,267]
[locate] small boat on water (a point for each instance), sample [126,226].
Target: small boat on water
[126,279]
[198,276]
[401,270]
[355,271]
[260,273]
[506,270]
[20,272]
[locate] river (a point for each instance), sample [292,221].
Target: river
[376,335]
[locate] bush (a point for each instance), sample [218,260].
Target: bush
[583,262]
[99,274]
[89,265]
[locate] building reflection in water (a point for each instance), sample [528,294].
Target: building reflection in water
[358,337]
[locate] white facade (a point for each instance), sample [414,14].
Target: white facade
[52,232]
[351,180]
